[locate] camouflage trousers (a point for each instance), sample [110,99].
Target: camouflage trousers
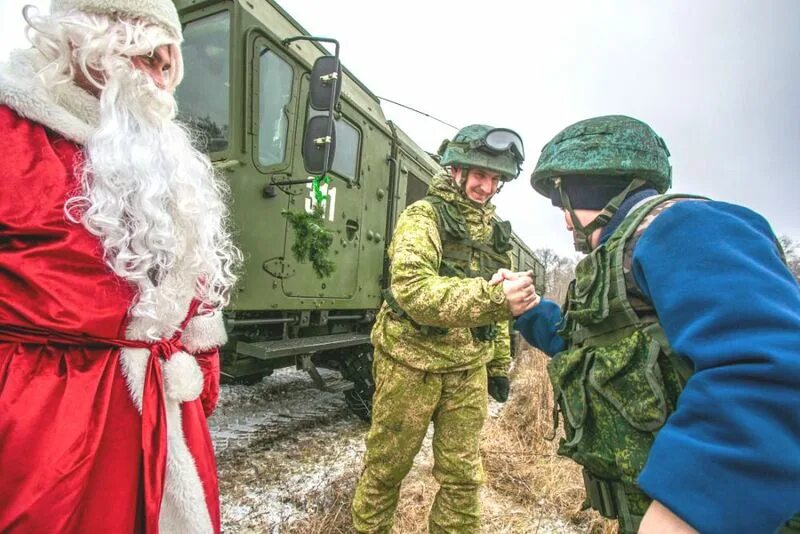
[406,400]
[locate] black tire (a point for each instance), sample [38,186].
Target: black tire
[359,404]
[357,367]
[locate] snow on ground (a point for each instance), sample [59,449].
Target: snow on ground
[282,445]
[277,443]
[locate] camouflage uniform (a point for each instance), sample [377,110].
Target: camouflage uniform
[429,366]
[617,377]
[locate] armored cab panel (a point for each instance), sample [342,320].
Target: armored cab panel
[415,168]
[246,92]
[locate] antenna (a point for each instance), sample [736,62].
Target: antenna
[420,112]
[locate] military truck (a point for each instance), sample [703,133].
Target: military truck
[255,89]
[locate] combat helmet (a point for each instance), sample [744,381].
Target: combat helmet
[478,145]
[614,151]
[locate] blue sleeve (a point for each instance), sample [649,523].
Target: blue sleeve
[539,327]
[728,458]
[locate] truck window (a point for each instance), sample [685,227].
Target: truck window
[275,93]
[348,139]
[415,189]
[203,94]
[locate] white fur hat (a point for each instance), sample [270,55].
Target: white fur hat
[161,12]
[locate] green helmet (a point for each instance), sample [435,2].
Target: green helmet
[614,146]
[478,145]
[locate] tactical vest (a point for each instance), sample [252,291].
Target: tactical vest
[618,381]
[458,250]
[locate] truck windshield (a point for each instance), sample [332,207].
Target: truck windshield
[203,95]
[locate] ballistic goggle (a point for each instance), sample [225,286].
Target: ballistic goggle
[499,140]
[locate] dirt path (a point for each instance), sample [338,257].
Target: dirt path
[279,443]
[289,455]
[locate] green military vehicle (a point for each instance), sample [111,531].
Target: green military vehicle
[274,110]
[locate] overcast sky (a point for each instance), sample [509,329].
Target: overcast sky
[718,80]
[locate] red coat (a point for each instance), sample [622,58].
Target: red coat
[71,448]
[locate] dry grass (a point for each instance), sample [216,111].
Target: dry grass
[528,485]
[334,503]
[519,453]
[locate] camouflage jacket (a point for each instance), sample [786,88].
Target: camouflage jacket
[430,299]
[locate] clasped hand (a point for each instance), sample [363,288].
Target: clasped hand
[518,288]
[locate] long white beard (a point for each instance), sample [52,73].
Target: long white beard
[155,203]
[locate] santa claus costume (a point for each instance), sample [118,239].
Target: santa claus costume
[102,423]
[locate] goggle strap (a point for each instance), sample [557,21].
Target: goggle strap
[481,143]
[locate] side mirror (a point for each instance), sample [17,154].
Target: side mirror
[326,83]
[319,145]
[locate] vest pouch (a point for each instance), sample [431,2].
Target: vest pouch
[452,221]
[589,294]
[627,405]
[568,371]
[613,402]
[627,375]
[501,237]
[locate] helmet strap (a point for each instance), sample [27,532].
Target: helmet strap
[463,184]
[583,234]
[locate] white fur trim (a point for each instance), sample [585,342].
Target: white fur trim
[134,367]
[204,332]
[183,509]
[183,379]
[162,12]
[64,108]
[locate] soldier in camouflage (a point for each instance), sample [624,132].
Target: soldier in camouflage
[675,357]
[441,337]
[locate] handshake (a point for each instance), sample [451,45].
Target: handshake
[518,288]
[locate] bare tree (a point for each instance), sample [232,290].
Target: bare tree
[792,251]
[558,272]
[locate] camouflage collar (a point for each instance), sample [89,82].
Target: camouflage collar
[443,186]
[626,207]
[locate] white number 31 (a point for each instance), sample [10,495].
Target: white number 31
[328,207]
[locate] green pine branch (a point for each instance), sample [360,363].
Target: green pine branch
[312,240]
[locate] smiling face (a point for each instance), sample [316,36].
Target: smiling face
[481,184]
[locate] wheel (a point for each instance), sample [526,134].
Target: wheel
[357,367]
[359,404]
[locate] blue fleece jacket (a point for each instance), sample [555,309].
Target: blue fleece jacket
[728,458]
